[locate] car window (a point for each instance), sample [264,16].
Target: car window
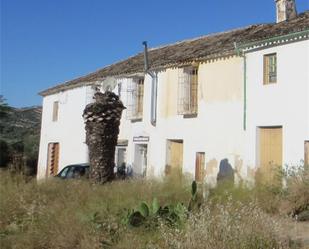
[87,171]
[77,172]
[70,173]
[64,172]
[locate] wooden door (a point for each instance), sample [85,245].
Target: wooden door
[199,166]
[270,150]
[53,159]
[306,156]
[174,156]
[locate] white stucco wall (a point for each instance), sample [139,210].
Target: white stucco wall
[68,130]
[217,129]
[285,103]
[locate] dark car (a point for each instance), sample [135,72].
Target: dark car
[74,171]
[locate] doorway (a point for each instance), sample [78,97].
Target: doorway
[199,166]
[270,150]
[52,159]
[306,154]
[174,156]
[120,155]
[140,160]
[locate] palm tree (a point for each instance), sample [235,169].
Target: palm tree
[102,120]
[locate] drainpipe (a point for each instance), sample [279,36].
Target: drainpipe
[299,36]
[154,86]
[242,54]
[245,91]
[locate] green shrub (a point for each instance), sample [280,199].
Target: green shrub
[150,214]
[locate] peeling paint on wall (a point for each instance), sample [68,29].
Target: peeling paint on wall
[211,167]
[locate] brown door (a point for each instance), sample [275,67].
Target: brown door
[52,159]
[306,156]
[199,166]
[270,150]
[174,156]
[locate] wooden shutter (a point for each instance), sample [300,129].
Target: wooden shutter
[140,97]
[193,90]
[55,110]
[270,68]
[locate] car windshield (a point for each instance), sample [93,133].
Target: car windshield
[74,171]
[77,172]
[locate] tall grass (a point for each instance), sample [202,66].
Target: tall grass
[234,225]
[76,214]
[73,214]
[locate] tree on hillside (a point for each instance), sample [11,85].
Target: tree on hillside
[102,120]
[19,138]
[4,107]
[4,154]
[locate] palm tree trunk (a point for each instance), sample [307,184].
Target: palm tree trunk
[102,120]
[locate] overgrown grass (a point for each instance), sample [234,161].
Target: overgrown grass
[75,214]
[233,225]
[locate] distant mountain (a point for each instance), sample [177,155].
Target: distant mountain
[18,123]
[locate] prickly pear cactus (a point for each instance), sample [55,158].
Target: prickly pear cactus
[102,120]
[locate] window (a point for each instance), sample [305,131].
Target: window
[135,99]
[270,69]
[187,90]
[55,110]
[119,90]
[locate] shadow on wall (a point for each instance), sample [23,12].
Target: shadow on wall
[226,172]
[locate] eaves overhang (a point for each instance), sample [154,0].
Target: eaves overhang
[272,42]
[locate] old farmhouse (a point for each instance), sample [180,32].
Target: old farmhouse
[237,99]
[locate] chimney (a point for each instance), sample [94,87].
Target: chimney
[286,10]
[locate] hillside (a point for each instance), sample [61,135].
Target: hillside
[19,137]
[19,123]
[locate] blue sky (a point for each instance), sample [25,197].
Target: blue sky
[47,42]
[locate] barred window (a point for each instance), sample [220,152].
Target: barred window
[135,96]
[187,90]
[270,69]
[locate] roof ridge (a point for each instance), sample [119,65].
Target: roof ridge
[208,35]
[204,46]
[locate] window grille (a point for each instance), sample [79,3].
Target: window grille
[270,69]
[135,96]
[187,90]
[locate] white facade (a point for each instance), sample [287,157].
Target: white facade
[68,130]
[218,136]
[218,128]
[284,103]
